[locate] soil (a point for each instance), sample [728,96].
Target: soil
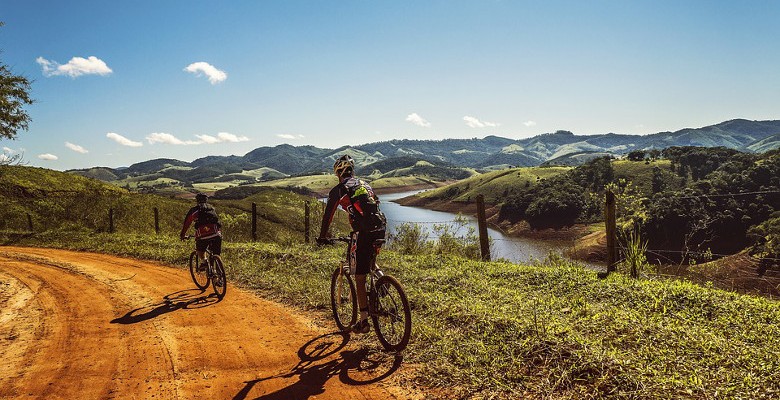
[84,325]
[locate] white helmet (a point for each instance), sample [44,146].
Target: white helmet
[344,165]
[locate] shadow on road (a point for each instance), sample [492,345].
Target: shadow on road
[183,299]
[360,367]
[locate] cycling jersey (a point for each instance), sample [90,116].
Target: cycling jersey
[206,223]
[357,198]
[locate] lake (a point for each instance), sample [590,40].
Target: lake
[516,249]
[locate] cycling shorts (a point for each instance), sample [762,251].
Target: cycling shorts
[214,243]
[365,250]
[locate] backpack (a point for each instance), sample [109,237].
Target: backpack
[206,215]
[362,197]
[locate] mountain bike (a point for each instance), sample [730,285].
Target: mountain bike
[388,306]
[213,273]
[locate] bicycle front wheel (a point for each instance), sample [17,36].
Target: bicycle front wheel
[391,314]
[343,299]
[201,278]
[219,280]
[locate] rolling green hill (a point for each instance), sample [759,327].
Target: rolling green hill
[486,154]
[62,201]
[494,185]
[766,144]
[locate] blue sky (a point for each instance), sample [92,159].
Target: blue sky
[122,82]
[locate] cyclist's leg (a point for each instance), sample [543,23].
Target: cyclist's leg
[363,266]
[200,248]
[215,244]
[364,256]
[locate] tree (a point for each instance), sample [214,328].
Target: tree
[637,155]
[14,95]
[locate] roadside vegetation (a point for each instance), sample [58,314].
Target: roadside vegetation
[500,330]
[60,201]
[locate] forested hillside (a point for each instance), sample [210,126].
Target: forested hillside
[684,201]
[449,156]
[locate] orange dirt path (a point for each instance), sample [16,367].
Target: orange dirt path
[85,325]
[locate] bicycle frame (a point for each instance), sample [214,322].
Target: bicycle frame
[374,272]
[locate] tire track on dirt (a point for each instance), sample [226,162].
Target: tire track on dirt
[98,326]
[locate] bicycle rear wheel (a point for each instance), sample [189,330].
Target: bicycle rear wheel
[343,299]
[219,280]
[201,278]
[391,314]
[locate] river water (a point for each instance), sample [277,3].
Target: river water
[516,249]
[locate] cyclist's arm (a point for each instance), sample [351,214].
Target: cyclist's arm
[330,210]
[187,222]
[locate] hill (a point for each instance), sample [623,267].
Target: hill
[62,201]
[489,153]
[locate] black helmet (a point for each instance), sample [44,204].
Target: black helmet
[201,197]
[345,165]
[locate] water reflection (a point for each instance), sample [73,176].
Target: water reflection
[516,249]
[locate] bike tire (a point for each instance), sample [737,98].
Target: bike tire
[343,300]
[201,278]
[220,280]
[391,314]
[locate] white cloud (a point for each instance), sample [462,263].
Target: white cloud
[123,140]
[229,137]
[474,122]
[290,136]
[76,148]
[8,150]
[417,120]
[47,156]
[167,138]
[76,67]
[207,139]
[529,123]
[203,68]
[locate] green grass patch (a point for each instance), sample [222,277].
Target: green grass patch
[500,330]
[640,173]
[494,185]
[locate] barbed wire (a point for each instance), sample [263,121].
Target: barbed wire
[453,221]
[728,194]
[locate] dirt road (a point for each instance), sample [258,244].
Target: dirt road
[91,326]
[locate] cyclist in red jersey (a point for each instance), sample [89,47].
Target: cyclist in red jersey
[208,233]
[358,199]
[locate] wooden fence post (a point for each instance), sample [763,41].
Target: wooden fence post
[254,221]
[156,221]
[29,222]
[111,220]
[484,244]
[306,229]
[611,232]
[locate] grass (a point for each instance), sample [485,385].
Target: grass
[641,174]
[321,183]
[494,185]
[495,330]
[57,200]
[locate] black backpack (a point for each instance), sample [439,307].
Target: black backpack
[206,215]
[361,193]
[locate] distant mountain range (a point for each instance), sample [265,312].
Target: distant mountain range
[490,152]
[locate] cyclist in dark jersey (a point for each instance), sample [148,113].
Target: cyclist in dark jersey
[208,233]
[358,199]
